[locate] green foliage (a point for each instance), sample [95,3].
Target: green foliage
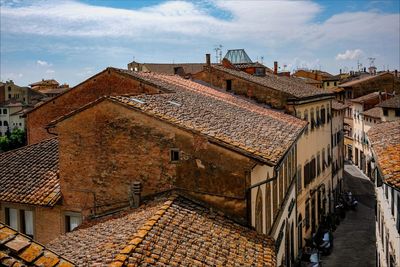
[13,140]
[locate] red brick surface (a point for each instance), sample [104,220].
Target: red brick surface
[107,82]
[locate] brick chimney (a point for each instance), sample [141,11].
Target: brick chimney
[395,73]
[208,60]
[275,67]
[136,191]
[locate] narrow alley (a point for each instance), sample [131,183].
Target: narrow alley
[354,239]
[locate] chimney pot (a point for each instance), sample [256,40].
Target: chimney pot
[208,60]
[275,67]
[395,73]
[136,190]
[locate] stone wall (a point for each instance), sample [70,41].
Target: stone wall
[107,82]
[261,94]
[107,147]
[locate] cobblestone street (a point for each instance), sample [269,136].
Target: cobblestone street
[354,239]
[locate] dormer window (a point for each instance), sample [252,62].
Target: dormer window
[174,155]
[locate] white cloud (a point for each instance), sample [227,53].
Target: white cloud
[43,63]
[49,71]
[350,55]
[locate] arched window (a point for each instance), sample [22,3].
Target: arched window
[299,114]
[268,213]
[323,114]
[306,119]
[259,211]
[300,232]
[312,119]
[318,118]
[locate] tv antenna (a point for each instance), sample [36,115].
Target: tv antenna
[371,61]
[218,53]
[262,59]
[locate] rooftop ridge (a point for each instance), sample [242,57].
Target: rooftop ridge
[141,233]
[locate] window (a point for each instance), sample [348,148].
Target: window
[397,112]
[334,83]
[259,212]
[72,221]
[392,201]
[324,165]
[318,164]
[306,119]
[323,115]
[307,214]
[299,181]
[4,111]
[312,169]
[312,119]
[327,83]
[398,214]
[386,192]
[5,123]
[20,220]
[228,85]
[9,88]
[385,112]
[174,155]
[299,114]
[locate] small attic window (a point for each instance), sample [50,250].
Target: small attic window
[174,155]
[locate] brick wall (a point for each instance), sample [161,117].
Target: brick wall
[106,147]
[107,82]
[385,83]
[240,86]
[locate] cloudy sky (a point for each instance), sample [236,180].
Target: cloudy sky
[72,40]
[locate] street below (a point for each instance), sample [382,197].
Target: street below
[354,238]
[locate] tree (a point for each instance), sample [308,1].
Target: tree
[13,140]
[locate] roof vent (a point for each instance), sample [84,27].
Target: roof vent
[137,100]
[174,103]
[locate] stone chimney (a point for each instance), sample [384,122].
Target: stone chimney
[340,71]
[275,67]
[136,191]
[208,60]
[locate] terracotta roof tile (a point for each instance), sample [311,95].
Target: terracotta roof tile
[29,174]
[367,97]
[293,87]
[97,243]
[20,250]
[336,105]
[393,102]
[374,113]
[188,234]
[385,141]
[362,79]
[220,116]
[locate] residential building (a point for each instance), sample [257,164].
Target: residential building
[12,92]
[194,147]
[181,69]
[338,147]
[330,82]
[384,82]
[320,79]
[361,123]
[385,141]
[183,135]
[390,108]
[313,151]
[30,191]
[17,249]
[107,82]
[44,84]
[11,117]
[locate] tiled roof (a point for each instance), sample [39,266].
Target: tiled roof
[97,243]
[29,175]
[393,102]
[362,79]
[17,249]
[367,97]
[45,82]
[183,233]
[220,116]
[307,80]
[385,140]
[292,87]
[168,68]
[374,113]
[336,105]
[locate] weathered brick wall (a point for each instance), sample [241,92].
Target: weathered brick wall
[107,147]
[259,93]
[49,223]
[385,83]
[108,82]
